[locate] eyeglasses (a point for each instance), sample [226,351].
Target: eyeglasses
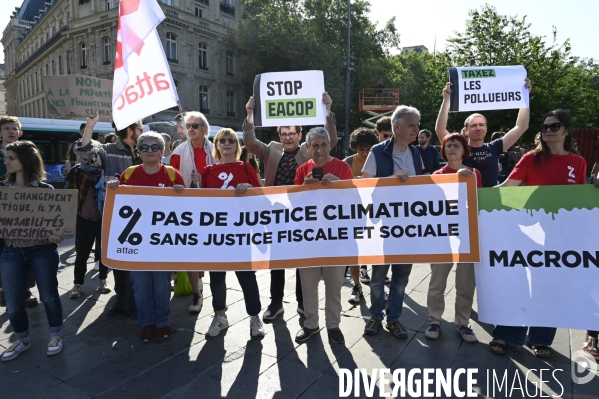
[193,125]
[224,140]
[456,146]
[554,127]
[287,135]
[146,148]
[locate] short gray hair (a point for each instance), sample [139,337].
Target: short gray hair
[402,110]
[151,135]
[317,132]
[193,115]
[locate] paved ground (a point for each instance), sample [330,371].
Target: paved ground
[104,358]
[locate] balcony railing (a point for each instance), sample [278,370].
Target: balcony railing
[173,61]
[227,8]
[204,2]
[205,111]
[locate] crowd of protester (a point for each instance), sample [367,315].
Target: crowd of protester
[192,161]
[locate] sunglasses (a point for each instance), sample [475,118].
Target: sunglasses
[554,127]
[193,125]
[146,148]
[224,140]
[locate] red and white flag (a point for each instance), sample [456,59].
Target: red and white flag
[143,84]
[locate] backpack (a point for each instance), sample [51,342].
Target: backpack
[169,170]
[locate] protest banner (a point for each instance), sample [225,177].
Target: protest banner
[488,88]
[32,213]
[289,99]
[369,221]
[78,96]
[143,84]
[539,257]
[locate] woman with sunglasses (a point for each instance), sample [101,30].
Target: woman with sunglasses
[230,173]
[152,290]
[552,162]
[25,168]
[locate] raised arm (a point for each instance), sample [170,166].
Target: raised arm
[517,131]
[253,145]
[89,129]
[441,125]
[330,125]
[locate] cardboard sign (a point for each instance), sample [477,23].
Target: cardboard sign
[362,221]
[289,99]
[488,88]
[30,213]
[78,96]
[539,252]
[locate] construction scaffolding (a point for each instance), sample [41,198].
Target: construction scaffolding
[378,102]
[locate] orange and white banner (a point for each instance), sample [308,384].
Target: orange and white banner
[428,219]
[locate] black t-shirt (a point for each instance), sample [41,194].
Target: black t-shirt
[486,160]
[74,137]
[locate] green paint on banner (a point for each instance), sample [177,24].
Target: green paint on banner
[291,108]
[549,199]
[478,74]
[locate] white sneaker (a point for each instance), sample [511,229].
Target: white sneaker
[76,291]
[219,323]
[256,326]
[201,284]
[15,350]
[97,265]
[54,345]
[197,301]
[103,287]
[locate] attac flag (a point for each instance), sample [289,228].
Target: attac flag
[143,84]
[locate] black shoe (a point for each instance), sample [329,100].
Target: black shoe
[397,329]
[364,277]
[336,335]
[372,327]
[2,299]
[31,300]
[117,308]
[304,334]
[272,311]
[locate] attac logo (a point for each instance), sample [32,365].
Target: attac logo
[478,73]
[126,212]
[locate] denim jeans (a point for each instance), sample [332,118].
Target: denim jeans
[42,260]
[517,335]
[400,274]
[249,286]
[152,291]
[277,286]
[87,231]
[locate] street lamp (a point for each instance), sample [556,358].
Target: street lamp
[348,70]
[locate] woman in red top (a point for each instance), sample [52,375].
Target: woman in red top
[152,290]
[454,149]
[552,162]
[232,174]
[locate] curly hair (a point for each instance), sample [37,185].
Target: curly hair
[362,136]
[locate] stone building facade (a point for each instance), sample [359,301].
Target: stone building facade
[59,37]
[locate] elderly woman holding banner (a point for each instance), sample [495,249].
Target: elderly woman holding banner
[552,162]
[190,158]
[454,149]
[152,290]
[319,147]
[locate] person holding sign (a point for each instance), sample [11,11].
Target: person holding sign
[552,162]
[483,156]
[454,149]
[152,289]
[231,174]
[322,168]
[395,156]
[25,168]
[281,160]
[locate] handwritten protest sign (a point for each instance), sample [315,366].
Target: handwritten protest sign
[289,98]
[37,213]
[78,95]
[488,88]
[370,221]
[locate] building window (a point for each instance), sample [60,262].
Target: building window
[171,47]
[83,56]
[106,52]
[227,22]
[53,68]
[203,56]
[230,103]
[168,2]
[204,2]
[109,4]
[199,12]
[60,64]
[47,70]
[230,63]
[81,2]
[204,100]
[227,7]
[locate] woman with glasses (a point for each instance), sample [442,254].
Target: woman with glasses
[191,157]
[454,149]
[152,290]
[25,168]
[232,174]
[552,162]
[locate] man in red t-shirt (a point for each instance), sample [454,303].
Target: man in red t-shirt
[319,147]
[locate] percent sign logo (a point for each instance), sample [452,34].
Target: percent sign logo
[126,212]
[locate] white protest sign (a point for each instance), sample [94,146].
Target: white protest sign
[488,88]
[539,257]
[370,221]
[289,99]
